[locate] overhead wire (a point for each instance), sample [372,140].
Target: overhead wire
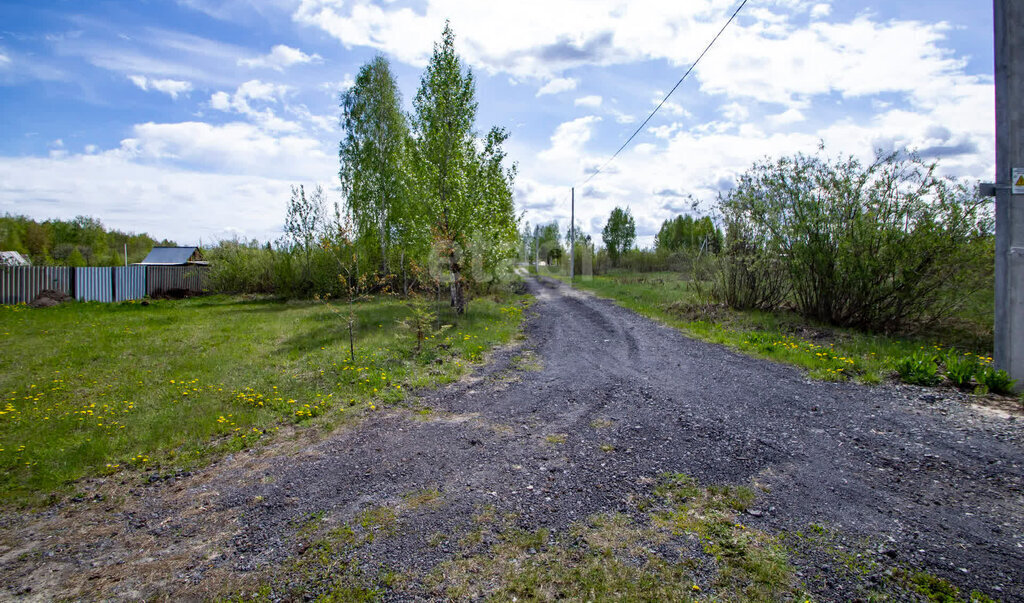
[664,100]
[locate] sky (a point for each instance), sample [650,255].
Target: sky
[191,119]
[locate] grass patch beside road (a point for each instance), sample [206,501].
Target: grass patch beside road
[684,541]
[826,352]
[92,389]
[688,541]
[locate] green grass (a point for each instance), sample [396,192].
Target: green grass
[683,541]
[826,352]
[687,541]
[612,556]
[93,389]
[860,562]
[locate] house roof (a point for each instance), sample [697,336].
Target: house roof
[170,255]
[12,258]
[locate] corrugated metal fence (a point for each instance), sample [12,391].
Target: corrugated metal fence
[176,281]
[94,284]
[23,283]
[129,283]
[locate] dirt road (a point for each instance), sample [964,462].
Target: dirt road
[613,402]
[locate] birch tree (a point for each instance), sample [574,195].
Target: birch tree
[304,221]
[442,123]
[372,157]
[496,232]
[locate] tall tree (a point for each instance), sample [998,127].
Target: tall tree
[372,156]
[549,243]
[305,221]
[619,233]
[491,189]
[442,123]
[526,240]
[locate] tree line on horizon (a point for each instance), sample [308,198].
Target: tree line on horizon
[682,234]
[82,241]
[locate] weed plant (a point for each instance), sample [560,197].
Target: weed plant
[919,368]
[961,368]
[996,381]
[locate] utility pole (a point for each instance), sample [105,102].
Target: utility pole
[572,236]
[1009,187]
[536,250]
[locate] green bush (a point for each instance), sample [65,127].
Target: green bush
[961,368]
[241,267]
[918,369]
[746,277]
[882,246]
[247,267]
[997,381]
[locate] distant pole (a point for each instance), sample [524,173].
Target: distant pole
[1009,79]
[126,256]
[536,249]
[572,236]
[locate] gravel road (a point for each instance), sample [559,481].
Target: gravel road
[939,482]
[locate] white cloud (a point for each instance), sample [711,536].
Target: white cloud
[672,108]
[790,116]
[569,137]
[257,90]
[509,38]
[623,118]
[239,148]
[184,205]
[324,123]
[4,59]
[170,87]
[558,85]
[593,101]
[820,11]
[854,59]
[242,100]
[158,53]
[57,149]
[735,112]
[184,181]
[604,32]
[793,61]
[139,80]
[240,11]
[280,57]
[338,87]
[665,131]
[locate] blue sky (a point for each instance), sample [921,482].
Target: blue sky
[191,119]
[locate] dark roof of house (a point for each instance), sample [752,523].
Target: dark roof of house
[170,255]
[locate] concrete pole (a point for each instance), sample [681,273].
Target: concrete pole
[536,249]
[1009,79]
[572,236]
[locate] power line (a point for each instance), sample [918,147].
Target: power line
[694,65]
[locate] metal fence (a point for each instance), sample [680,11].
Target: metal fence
[20,284]
[94,284]
[176,281]
[23,283]
[129,283]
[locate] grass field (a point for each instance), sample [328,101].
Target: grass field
[826,352]
[92,389]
